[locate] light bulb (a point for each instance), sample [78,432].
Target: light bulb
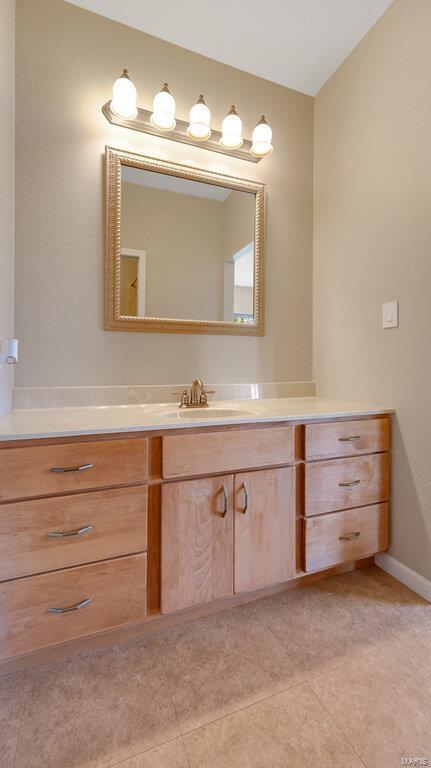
[163,116]
[123,102]
[200,118]
[261,139]
[231,130]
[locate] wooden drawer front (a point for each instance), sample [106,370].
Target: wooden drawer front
[30,531]
[346,438]
[117,589]
[342,537]
[345,483]
[27,472]
[199,454]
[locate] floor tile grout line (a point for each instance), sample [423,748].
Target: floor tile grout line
[159,654]
[186,751]
[167,741]
[360,655]
[139,754]
[343,664]
[24,700]
[172,702]
[383,647]
[336,724]
[247,706]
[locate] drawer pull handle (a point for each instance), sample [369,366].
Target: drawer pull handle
[245,507]
[350,536]
[223,490]
[82,468]
[349,485]
[71,608]
[75,532]
[349,438]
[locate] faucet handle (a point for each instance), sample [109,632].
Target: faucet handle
[184,398]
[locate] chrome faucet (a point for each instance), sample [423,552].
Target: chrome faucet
[198,397]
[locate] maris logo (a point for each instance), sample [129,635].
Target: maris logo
[415,761]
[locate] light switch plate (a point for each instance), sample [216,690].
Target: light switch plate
[390,314]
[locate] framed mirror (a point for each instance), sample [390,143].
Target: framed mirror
[185,248]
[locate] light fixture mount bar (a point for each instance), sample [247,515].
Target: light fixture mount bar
[143,124]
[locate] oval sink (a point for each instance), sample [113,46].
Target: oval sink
[212,413]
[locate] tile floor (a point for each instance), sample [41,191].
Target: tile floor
[331,675]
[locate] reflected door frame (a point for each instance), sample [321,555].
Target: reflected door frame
[142,272]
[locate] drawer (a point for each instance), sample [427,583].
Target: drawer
[346,438]
[342,537]
[49,534]
[201,454]
[345,483]
[116,589]
[51,469]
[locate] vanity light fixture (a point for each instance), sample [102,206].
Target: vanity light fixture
[200,118]
[123,102]
[161,121]
[231,130]
[261,138]
[163,116]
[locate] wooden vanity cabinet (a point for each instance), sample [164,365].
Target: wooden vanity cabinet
[93,530]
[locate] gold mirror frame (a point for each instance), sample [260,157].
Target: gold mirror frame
[114,321]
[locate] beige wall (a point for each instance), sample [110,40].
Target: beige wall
[373,244]
[67,60]
[7,174]
[183,238]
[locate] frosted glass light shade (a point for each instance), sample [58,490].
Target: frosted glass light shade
[231,129]
[261,139]
[163,116]
[199,118]
[124,95]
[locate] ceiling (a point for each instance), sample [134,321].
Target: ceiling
[297,43]
[173,184]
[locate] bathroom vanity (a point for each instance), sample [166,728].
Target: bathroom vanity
[125,519]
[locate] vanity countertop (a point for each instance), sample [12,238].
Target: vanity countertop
[68,422]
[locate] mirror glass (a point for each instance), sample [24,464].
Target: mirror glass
[187,249]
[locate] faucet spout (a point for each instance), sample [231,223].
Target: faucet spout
[196,392]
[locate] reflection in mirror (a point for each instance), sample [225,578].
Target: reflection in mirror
[187,249]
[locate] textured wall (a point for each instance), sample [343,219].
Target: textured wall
[67,60]
[372,230]
[7,174]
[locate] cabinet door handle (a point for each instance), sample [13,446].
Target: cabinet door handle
[351,484]
[74,532]
[350,536]
[245,507]
[82,468]
[349,438]
[70,608]
[223,490]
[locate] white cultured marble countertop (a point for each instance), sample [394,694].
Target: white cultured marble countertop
[105,419]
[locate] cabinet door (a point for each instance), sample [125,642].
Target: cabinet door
[264,513]
[197,542]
